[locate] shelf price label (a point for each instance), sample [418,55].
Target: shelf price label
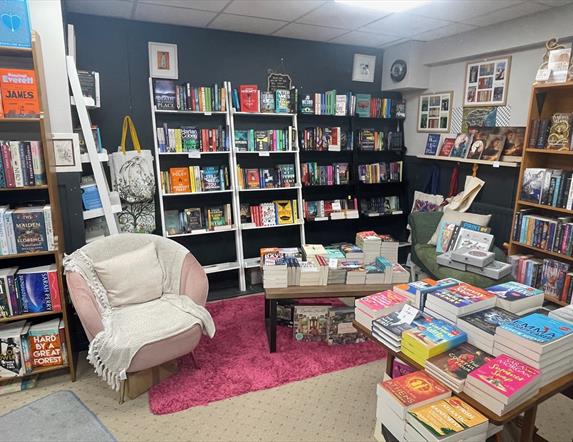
[208,114]
[495,164]
[408,314]
[264,153]
[194,154]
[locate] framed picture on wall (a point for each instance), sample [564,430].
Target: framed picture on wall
[66,152]
[486,82]
[163,60]
[363,68]
[434,112]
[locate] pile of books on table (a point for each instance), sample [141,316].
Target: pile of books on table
[372,307]
[369,242]
[516,297]
[450,303]
[564,314]
[481,326]
[417,291]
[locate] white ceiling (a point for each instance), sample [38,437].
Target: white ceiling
[321,20]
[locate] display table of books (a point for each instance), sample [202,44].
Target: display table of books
[529,361]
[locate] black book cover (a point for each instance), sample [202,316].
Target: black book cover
[544,127]
[534,133]
[488,320]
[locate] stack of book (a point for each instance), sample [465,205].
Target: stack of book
[352,251]
[388,329]
[516,297]
[26,229]
[389,247]
[452,302]
[452,367]
[321,263]
[355,272]
[310,274]
[399,274]
[377,275]
[370,243]
[417,291]
[396,397]
[481,326]
[336,273]
[502,383]
[310,250]
[372,307]
[539,341]
[264,140]
[564,314]
[21,164]
[430,337]
[448,419]
[275,270]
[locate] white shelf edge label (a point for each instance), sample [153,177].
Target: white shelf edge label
[208,114]
[496,164]
[194,155]
[264,154]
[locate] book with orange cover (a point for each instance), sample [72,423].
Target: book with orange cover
[19,93]
[179,177]
[45,344]
[253,179]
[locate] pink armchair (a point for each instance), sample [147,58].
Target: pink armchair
[193,283]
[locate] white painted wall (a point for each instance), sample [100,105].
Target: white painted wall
[47,21]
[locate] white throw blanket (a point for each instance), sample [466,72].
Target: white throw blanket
[128,328]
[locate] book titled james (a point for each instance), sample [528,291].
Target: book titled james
[379,304]
[19,93]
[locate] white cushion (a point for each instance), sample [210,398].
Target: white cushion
[454,217]
[133,277]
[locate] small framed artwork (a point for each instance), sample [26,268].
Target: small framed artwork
[66,152]
[486,82]
[363,68]
[434,112]
[163,60]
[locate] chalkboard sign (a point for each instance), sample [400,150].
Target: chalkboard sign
[278,81]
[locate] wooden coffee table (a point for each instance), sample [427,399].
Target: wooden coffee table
[272,296]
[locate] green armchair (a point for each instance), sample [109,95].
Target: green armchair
[423,225]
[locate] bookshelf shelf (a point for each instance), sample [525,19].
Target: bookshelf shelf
[270,227]
[207,114]
[550,151]
[208,232]
[96,213]
[21,120]
[223,267]
[545,252]
[193,154]
[19,189]
[28,316]
[211,192]
[465,160]
[555,300]
[37,371]
[267,189]
[9,51]
[264,153]
[28,254]
[251,263]
[265,114]
[545,207]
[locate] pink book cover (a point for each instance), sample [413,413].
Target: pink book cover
[54,291]
[380,301]
[329,179]
[505,374]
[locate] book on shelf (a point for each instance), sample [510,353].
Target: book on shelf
[551,133]
[325,139]
[514,143]
[550,187]
[326,103]
[321,210]
[37,290]
[374,306]
[367,106]
[21,164]
[432,144]
[274,213]
[198,219]
[447,146]
[481,325]
[383,205]
[96,133]
[493,147]
[11,350]
[191,139]
[16,32]
[377,173]
[249,98]
[183,97]
[259,140]
[279,176]
[313,174]
[45,344]
[19,93]
[543,232]
[371,140]
[26,229]
[194,179]
[462,143]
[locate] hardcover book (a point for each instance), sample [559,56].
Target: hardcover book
[284,212]
[11,350]
[310,322]
[211,178]
[432,144]
[340,329]
[19,93]
[29,229]
[193,219]
[493,147]
[173,222]
[267,102]
[164,92]
[447,146]
[282,101]
[249,97]
[179,177]
[45,344]
[363,105]
[15,30]
[560,132]
[38,289]
[532,184]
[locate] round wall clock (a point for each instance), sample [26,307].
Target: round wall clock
[398,70]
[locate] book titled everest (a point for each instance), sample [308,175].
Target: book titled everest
[536,332]
[38,289]
[371,307]
[516,297]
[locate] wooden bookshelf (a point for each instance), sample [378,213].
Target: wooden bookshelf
[16,189]
[32,59]
[546,99]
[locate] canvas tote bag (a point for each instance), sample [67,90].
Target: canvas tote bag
[133,177]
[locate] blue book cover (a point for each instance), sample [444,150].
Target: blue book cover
[15,24]
[30,230]
[512,291]
[437,332]
[432,144]
[34,291]
[538,328]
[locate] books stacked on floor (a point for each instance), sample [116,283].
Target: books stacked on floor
[430,337]
[516,297]
[323,210]
[376,173]
[550,275]
[279,176]
[370,242]
[370,139]
[452,302]
[274,213]
[326,103]
[551,133]
[449,419]
[417,291]
[453,366]
[248,98]
[324,175]
[26,229]
[481,326]
[367,106]
[388,329]
[503,383]
[261,140]
[389,247]
[564,314]
[396,397]
[194,179]
[378,206]
[21,164]
[25,346]
[333,139]
[171,96]
[539,341]
[549,187]
[198,219]
[191,139]
[372,307]
[29,290]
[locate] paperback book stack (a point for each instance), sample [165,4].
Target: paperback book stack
[336,273]
[389,329]
[564,314]
[275,270]
[481,326]
[430,337]
[370,243]
[461,299]
[503,383]
[452,367]
[399,274]
[352,251]
[449,419]
[516,297]
[372,307]
[417,291]
[355,272]
[389,248]
[384,266]
[541,342]
[396,397]
[310,274]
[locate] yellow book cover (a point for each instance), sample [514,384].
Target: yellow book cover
[192,179]
[448,416]
[284,212]
[295,210]
[415,356]
[178,141]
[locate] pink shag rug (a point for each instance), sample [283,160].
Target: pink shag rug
[237,360]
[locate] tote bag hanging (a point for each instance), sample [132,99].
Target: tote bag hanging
[132,176]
